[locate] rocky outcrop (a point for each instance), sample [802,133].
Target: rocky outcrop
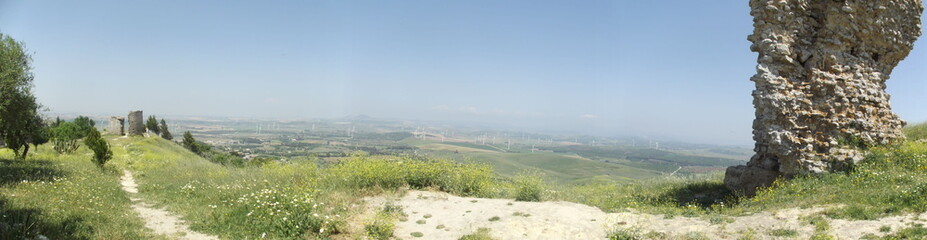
[136,125]
[820,84]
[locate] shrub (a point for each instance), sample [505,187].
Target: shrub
[65,137]
[624,234]
[480,234]
[528,186]
[283,212]
[381,228]
[99,146]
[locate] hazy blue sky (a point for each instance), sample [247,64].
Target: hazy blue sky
[675,69]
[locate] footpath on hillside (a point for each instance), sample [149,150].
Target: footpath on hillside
[157,219]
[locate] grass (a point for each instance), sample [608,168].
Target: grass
[885,229]
[480,234]
[916,131]
[300,199]
[64,197]
[521,214]
[916,232]
[624,234]
[274,200]
[382,226]
[783,232]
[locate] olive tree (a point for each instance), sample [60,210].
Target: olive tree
[20,123]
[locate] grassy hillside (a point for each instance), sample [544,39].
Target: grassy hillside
[303,199]
[282,200]
[63,197]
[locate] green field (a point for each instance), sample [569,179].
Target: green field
[557,167]
[578,164]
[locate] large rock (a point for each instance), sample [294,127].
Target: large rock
[820,84]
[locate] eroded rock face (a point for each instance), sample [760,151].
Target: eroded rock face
[820,84]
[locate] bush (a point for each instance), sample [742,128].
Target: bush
[624,234]
[283,212]
[65,137]
[480,234]
[382,226]
[99,146]
[528,186]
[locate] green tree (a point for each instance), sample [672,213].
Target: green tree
[56,122]
[18,107]
[42,135]
[85,124]
[101,150]
[165,133]
[152,125]
[65,137]
[189,142]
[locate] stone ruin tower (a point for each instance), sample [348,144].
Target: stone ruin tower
[136,124]
[116,125]
[820,84]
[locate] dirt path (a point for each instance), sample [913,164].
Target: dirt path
[438,215]
[157,219]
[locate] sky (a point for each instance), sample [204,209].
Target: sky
[674,69]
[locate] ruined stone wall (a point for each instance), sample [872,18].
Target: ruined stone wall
[820,84]
[136,125]
[116,125]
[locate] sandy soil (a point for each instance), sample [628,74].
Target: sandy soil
[450,217]
[157,219]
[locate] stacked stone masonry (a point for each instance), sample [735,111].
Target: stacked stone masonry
[136,125]
[116,125]
[820,95]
